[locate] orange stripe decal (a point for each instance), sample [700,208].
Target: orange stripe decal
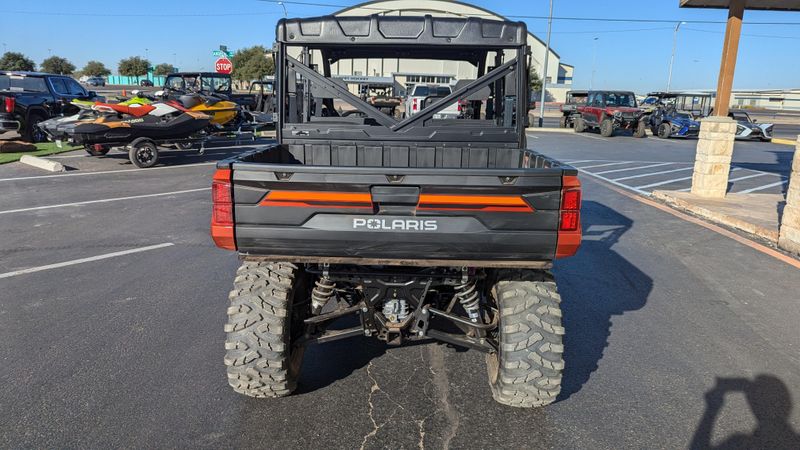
[318,199]
[495,203]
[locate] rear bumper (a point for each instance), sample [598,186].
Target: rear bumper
[8,123]
[488,249]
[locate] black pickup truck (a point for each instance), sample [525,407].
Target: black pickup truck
[27,98]
[418,229]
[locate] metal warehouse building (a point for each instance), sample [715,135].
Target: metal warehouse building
[406,73]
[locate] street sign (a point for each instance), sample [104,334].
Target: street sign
[221,54]
[223,65]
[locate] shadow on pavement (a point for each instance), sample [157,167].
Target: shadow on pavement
[596,285]
[771,405]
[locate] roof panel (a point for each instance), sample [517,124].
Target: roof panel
[776,5]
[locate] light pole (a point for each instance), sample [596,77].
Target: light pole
[544,74]
[672,58]
[285,14]
[594,62]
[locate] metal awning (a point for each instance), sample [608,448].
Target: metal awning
[776,5]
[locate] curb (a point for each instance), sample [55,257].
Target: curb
[42,163]
[549,130]
[783,141]
[739,224]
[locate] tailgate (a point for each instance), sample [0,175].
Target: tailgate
[370,215]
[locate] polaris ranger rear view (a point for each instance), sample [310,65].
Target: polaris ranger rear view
[423,228]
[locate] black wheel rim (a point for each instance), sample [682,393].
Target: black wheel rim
[144,154]
[36,133]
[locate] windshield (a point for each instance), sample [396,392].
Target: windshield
[216,84]
[20,83]
[422,91]
[620,99]
[180,83]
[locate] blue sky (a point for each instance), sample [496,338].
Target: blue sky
[630,55]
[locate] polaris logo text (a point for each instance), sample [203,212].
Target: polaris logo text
[395,224]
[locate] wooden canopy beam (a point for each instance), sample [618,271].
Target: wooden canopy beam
[730,50]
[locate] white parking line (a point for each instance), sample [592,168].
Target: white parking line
[632,168]
[652,173]
[105,200]
[84,260]
[746,177]
[580,161]
[592,137]
[608,180]
[607,164]
[661,183]
[104,172]
[761,188]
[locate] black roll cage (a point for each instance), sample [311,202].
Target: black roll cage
[425,37]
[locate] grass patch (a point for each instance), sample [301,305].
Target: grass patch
[43,149]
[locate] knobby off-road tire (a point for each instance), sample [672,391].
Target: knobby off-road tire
[260,358]
[606,128]
[641,130]
[664,130]
[580,125]
[526,371]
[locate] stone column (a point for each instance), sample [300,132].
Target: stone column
[713,159]
[789,238]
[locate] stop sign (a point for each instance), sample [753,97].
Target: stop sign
[223,65]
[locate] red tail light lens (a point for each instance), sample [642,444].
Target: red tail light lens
[414,105]
[222,210]
[10,104]
[569,227]
[570,220]
[571,199]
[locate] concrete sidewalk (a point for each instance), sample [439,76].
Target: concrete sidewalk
[757,214]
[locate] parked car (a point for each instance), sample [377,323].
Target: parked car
[96,81]
[27,98]
[748,128]
[609,111]
[424,95]
[569,110]
[146,83]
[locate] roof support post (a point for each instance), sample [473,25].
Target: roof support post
[730,50]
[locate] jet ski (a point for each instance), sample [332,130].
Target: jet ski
[124,123]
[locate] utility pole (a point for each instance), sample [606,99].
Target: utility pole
[672,58]
[594,62]
[546,57]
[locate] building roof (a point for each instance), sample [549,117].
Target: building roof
[777,5]
[372,5]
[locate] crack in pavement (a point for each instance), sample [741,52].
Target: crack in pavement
[437,368]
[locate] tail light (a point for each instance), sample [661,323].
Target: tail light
[414,105]
[459,107]
[569,226]
[10,103]
[222,210]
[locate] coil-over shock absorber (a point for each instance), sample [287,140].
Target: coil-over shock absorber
[321,294]
[467,294]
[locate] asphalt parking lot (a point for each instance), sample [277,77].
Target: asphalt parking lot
[113,298]
[644,165]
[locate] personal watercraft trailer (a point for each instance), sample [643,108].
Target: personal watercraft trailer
[139,129]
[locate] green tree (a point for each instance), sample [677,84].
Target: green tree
[134,66]
[534,81]
[16,61]
[163,69]
[57,64]
[95,69]
[252,64]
